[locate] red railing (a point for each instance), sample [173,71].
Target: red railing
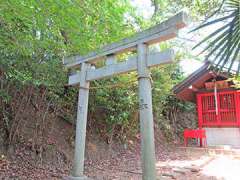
[227,112]
[195,133]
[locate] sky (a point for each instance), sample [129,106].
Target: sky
[189,65]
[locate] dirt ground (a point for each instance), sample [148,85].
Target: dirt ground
[118,161]
[179,163]
[173,163]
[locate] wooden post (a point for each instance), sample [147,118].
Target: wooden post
[237,101]
[78,166]
[146,115]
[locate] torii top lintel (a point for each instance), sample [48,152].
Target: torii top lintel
[161,32]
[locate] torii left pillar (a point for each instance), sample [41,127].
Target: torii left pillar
[78,164]
[146,115]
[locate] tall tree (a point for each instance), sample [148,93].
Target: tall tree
[35,35]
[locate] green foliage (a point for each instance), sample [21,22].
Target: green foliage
[196,8]
[167,108]
[36,35]
[117,98]
[236,81]
[73,26]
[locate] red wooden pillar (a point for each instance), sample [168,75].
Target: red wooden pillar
[237,101]
[199,111]
[218,113]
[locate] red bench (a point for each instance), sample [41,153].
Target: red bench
[195,133]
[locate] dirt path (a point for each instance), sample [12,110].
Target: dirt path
[176,164]
[172,163]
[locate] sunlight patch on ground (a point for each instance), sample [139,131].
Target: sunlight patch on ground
[223,167]
[184,163]
[220,167]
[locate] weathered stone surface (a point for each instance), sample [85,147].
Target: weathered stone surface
[161,32]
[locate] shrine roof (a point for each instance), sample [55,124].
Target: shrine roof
[195,82]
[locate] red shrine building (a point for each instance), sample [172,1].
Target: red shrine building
[217,103]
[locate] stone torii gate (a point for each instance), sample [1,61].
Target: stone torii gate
[141,63]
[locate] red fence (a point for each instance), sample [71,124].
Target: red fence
[195,133]
[227,112]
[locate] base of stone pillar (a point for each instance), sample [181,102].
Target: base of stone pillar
[76,178]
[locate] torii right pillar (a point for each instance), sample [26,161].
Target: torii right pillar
[146,115]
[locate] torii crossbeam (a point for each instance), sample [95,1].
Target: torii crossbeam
[141,63]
